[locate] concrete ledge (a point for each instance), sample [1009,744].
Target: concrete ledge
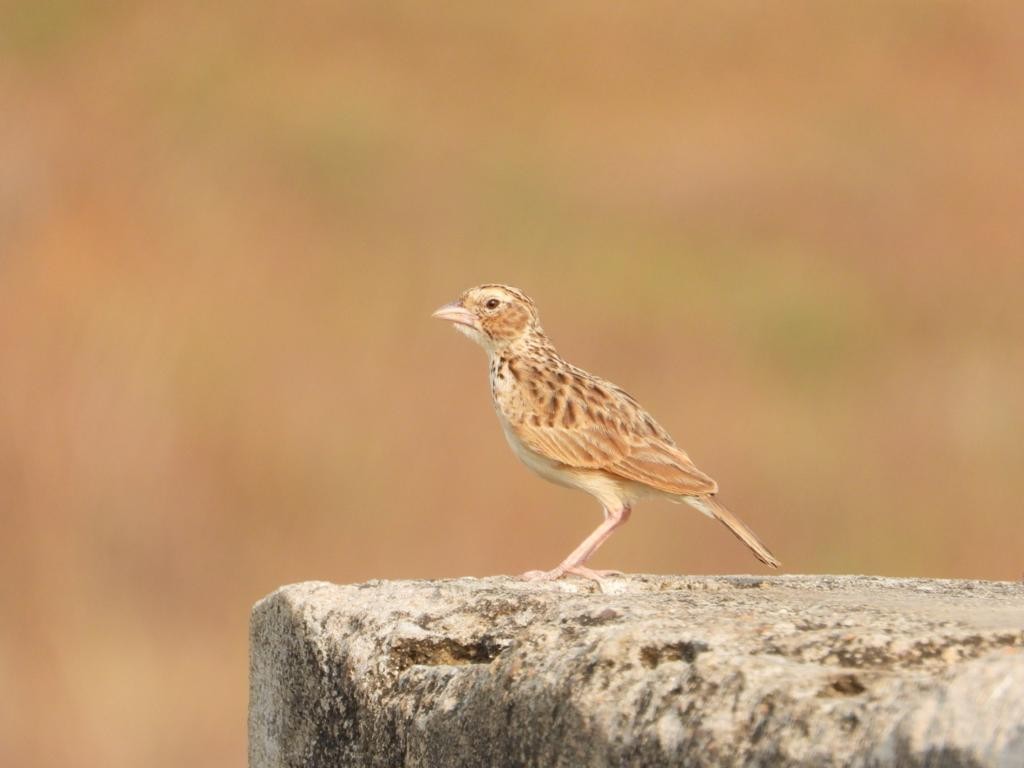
[696,671]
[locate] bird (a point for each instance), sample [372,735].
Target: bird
[578,430]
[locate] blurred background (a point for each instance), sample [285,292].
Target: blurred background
[795,234]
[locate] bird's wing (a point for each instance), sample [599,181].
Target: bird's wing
[666,468]
[618,437]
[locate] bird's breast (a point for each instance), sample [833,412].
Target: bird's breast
[507,389]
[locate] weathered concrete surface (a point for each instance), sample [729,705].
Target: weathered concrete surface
[716,671]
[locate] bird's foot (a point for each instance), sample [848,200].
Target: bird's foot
[563,570]
[554,573]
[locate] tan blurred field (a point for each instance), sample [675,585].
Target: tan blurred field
[795,233]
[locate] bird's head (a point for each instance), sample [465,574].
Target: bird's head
[494,316]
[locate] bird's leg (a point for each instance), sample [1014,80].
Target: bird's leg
[574,562]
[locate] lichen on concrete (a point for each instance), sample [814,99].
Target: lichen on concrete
[687,671]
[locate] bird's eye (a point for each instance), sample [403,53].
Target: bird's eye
[492,303]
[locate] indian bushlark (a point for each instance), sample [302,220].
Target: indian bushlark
[577,430]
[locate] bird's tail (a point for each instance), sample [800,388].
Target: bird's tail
[710,507]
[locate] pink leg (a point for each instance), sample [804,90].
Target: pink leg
[574,562]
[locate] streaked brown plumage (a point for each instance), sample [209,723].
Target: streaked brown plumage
[576,429]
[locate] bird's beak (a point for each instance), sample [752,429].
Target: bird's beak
[456,313]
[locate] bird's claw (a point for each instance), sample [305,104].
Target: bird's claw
[555,573]
[563,570]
